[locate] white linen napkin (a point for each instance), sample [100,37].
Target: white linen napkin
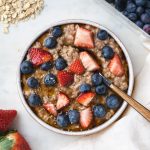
[132,131]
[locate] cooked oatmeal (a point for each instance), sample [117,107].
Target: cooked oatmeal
[69,94]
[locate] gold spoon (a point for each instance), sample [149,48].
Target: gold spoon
[132,102]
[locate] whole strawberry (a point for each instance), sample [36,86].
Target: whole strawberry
[13,141]
[6,118]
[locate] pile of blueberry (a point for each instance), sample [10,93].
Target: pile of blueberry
[138,11]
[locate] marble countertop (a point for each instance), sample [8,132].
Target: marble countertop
[13,44]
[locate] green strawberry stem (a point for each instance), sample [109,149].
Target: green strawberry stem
[5,143]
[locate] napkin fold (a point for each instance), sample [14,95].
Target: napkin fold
[132,131]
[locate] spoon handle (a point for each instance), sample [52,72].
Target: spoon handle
[136,105]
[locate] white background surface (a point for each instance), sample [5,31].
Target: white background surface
[13,45]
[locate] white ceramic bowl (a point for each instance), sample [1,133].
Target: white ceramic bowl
[105,124]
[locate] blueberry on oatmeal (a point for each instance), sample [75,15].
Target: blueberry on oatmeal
[60,63]
[101,89]
[32,82]
[50,79]
[61,83]
[99,111]
[50,42]
[107,52]
[85,88]
[113,101]
[102,35]
[26,67]
[47,66]
[34,100]
[96,79]
[63,120]
[56,32]
[74,116]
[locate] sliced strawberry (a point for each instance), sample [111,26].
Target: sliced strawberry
[65,78]
[86,117]
[6,119]
[39,56]
[62,101]
[88,62]
[84,38]
[85,98]
[50,108]
[14,141]
[116,66]
[77,67]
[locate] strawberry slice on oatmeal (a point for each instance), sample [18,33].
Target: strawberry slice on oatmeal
[84,38]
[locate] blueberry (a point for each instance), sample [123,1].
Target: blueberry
[102,35]
[131,7]
[32,82]
[26,67]
[46,66]
[145,18]
[140,10]
[132,17]
[146,28]
[112,101]
[120,4]
[50,79]
[110,1]
[74,116]
[147,11]
[60,63]
[99,111]
[85,88]
[147,4]
[101,89]
[139,24]
[57,31]
[125,13]
[62,120]
[34,100]
[140,2]
[129,1]
[107,52]
[50,42]
[96,79]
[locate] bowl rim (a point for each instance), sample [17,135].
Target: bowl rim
[105,124]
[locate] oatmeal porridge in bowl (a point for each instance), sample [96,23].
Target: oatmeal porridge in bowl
[59,77]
